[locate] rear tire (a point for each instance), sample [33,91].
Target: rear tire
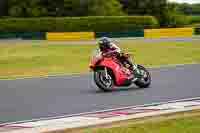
[105,85]
[144,82]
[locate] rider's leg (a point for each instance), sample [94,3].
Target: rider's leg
[131,65]
[124,60]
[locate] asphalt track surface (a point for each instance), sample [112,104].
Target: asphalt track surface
[26,99]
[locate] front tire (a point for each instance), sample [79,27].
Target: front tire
[102,82]
[144,82]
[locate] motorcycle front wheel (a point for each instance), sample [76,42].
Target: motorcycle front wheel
[106,84]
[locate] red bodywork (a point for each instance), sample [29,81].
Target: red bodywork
[121,74]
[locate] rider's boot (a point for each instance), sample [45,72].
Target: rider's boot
[137,72]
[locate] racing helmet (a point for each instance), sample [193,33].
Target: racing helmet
[104,43]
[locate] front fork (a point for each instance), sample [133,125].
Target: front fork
[135,68]
[106,72]
[134,65]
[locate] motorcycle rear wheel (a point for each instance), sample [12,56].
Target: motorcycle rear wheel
[146,81]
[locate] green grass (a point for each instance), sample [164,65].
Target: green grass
[176,125]
[22,60]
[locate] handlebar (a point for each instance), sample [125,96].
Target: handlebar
[128,55]
[113,53]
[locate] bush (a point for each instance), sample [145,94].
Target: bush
[15,11]
[61,24]
[178,20]
[194,19]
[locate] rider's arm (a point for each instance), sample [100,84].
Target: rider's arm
[116,48]
[113,50]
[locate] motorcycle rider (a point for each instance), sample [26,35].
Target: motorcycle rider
[107,46]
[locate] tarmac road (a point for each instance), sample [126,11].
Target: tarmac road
[26,99]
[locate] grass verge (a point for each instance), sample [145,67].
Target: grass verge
[20,60]
[184,122]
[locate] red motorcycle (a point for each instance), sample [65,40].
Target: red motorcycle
[110,72]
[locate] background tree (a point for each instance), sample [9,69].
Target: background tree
[38,8]
[75,7]
[189,9]
[167,13]
[104,8]
[53,7]
[26,8]
[3,8]
[157,8]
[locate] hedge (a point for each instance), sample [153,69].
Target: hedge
[73,24]
[194,19]
[177,20]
